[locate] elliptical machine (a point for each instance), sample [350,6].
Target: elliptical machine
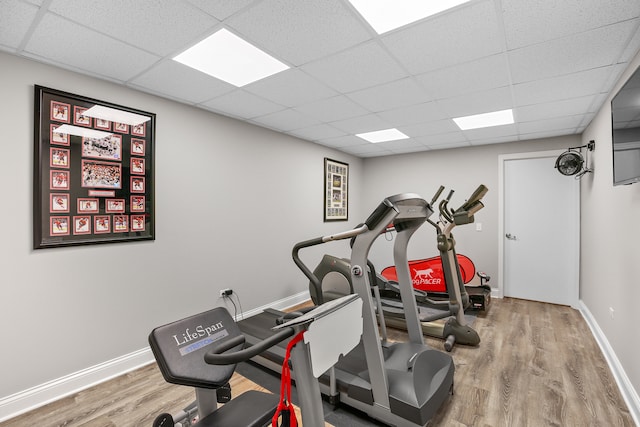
[455,329]
[387,294]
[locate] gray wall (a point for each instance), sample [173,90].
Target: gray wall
[610,235]
[462,170]
[253,193]
[259,192]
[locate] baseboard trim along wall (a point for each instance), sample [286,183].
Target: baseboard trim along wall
[35,397]
[627,390]
[27,400]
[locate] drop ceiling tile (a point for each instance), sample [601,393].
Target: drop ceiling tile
[15,20]
[494,140]
[389,96]
[290,88]
[242,104]
[429,128]
[332,109]
[578,52]
[181,82]
[568,107]
[341,141]
[221,9]
[482,74]
[470,33]
[528,23]
[559,88]
[418,113]
[491,133]
[445,139]
[450,145]
[545,134]
[402,146]
[357,68]
[367,150]
[560,123]
[71,45]
[285,120]
[158,27]
[317,132]
[478,102]
[632,47]
[300,31]
[361,124]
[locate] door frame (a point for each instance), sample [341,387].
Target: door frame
[575,261]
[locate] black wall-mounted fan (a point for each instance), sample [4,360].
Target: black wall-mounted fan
[572,163]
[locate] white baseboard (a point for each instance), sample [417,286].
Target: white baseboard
[27,400]
[35,397]
[629,393]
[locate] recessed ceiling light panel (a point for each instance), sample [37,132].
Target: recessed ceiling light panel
[385,15]
[227,57]
[382,135]
[485,120]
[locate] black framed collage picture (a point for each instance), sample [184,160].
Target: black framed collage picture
[93,171]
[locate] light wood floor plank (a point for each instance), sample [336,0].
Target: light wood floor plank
[537,365]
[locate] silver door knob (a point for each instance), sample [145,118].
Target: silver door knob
[510,236]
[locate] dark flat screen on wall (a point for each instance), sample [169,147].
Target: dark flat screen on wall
[625,119]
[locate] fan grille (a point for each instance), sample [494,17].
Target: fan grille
[569,163]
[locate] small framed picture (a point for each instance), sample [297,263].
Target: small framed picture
[101,224]
[114,206]
[58,203]
[81,225]
[58,180]
[120,223]
[58,138]
[137,165]
[137,222]
[137,204]
[140,130]
[59,226]
[79,119]
[336,190]
[137,184]
[87,205]
[137,147]
[58,157]
[120,127]
[60,112]
[102,124]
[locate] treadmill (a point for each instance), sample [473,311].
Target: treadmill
[400,384]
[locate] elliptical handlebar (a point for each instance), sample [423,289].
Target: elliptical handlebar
[214,356]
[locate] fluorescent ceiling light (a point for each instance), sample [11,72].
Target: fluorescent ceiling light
[113,115]
[496,118]
[80,131]
[382,135]
[227,57]
[385,15]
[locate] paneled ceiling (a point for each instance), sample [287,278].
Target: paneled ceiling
[552,61]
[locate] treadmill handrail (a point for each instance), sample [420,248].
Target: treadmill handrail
[213,357]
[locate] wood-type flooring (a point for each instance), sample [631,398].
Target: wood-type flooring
[537,365]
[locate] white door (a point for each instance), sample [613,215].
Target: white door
[540,233]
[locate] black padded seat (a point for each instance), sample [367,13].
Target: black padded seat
[252,409]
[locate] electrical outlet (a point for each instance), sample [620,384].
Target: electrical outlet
[226,292]
[478,226]
[611,312]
